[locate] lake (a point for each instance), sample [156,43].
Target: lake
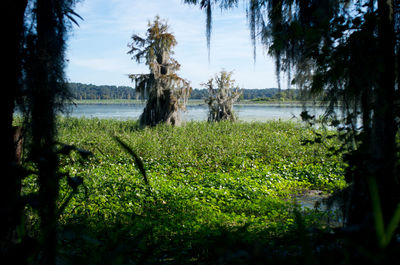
[245,112]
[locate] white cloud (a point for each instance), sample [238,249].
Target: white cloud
[97,49]
[107,64]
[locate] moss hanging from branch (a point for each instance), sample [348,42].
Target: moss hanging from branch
[167,93]
[222,95]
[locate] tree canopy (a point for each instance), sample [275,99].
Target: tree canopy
[89,91]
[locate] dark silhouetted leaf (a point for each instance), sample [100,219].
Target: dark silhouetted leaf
[138,161]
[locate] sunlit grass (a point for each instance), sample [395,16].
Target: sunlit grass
[200,173]
[205,180]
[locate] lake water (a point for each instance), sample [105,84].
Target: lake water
[194,112]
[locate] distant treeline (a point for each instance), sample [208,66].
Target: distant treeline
[89,91]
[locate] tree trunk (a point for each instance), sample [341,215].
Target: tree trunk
[10,187]
[383,133]
[160,109]
[376,157]
[46,83]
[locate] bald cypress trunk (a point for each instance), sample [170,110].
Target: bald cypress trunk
[160,109]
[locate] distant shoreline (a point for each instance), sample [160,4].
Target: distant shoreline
[199,102]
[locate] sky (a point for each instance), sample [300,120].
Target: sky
[97,49]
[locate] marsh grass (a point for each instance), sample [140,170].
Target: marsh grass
[205,181]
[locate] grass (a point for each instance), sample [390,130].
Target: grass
[207,182]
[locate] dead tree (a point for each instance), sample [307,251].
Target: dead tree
[222,94]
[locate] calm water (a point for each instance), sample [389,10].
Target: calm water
[194,112]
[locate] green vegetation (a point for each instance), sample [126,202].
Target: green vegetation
[205,181]
[92,92]
[107,92]
[207,193]
[321,47]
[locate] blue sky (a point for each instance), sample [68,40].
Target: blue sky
[97,49]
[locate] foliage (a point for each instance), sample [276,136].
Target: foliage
[38,32]
[205,181]
[349,51]
[222,94]
[167,92]
[90,92]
